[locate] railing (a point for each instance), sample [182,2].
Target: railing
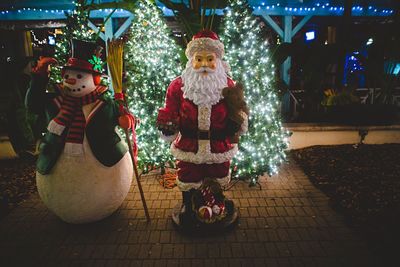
[295,100]
[366,95]
[370,95]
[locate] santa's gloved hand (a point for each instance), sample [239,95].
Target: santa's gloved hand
[167,132]
[168,129]
[42,66]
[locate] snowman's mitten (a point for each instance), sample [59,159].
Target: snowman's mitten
[126,121]
[42,66]
[55,127]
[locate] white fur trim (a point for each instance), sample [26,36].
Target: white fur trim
[168,138]
[224,181]
[73,149]
[204,117]
[187,186]
[203,154]
[245,124]
[55,128]
[204,146]
[205,44]
[94,108]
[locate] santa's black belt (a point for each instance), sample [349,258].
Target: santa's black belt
[203,135]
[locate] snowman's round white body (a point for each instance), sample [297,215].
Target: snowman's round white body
[79,189]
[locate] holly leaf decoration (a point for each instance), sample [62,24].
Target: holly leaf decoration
[97,63]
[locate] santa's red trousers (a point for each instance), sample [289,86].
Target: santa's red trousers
[193,173]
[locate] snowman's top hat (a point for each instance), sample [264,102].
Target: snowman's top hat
[85,56]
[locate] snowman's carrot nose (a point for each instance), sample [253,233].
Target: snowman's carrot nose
[70,81]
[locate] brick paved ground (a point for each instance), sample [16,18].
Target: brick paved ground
[287,223]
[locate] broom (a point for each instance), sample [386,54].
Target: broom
[114,61]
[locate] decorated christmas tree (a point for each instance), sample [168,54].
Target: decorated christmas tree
[262,148]
[76,28]
[152,61]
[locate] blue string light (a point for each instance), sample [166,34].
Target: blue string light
[326,7]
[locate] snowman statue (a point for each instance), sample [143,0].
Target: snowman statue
[84,170]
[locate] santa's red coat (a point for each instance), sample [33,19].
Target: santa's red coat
[191,118]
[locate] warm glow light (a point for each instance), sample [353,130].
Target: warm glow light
[152,61]
[262,149]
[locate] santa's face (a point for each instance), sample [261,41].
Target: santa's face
[78,83]
[204,78]
[204,62]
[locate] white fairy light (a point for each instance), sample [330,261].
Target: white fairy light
[152,62]
[262,148]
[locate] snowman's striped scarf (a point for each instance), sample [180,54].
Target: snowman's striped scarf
[71,115]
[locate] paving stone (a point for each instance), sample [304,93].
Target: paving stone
[165,237]
[155,251]
[249,250]
[225,250]
[133,251]
[167,250]
[286,223]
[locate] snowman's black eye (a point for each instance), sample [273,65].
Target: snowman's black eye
[83,86]
[79,76]
[66,76]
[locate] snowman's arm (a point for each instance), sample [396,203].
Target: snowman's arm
[36,97]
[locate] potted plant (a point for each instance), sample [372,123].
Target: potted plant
[345,108]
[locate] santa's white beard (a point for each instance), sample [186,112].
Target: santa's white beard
[204,89]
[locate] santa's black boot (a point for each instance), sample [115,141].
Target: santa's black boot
[186,216]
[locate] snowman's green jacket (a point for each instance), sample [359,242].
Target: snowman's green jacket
[100,130]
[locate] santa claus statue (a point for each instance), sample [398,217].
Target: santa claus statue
[84,170]
[195,120]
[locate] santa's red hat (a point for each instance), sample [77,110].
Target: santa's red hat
[205,40]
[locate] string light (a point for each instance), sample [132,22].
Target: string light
[262,149]
[36,41]
[317,8]
[76,28]
[152,61]
[27,11]
[326,9]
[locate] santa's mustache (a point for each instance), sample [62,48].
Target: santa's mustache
[204,69]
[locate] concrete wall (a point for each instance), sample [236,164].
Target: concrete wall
[305,135]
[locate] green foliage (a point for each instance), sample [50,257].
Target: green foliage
[23,128]
[337,98]
[262,148]
[388,87]
[76,27]
[192,16]
[129,5]
[151,62]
